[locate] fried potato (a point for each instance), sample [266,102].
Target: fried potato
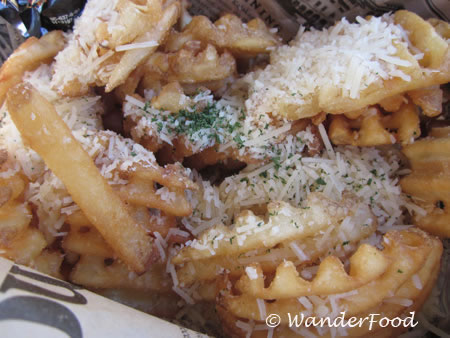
[171,201]
[301,252]
[15,214]
[87,242]
[43,129]
[366,265]
[131,59]
[171,98]
[189,65]
[228,32]
[49,262]
[374,129]
[429,183]
[407,251]
[284,222]
[29,56]
[132,19]
[429,99]
[300,92]
[25,247]
[95,272]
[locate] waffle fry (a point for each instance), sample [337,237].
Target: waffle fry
[429,99]
[331,277]
[429,183]
[305,98]
[106,51]
[189,65]
[403,263]
[302,252]
[229,33]
[373,129]
[284,222]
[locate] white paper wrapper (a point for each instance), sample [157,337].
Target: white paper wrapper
[36,305]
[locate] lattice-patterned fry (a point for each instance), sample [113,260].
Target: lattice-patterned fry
[131,59]
[305,78]
[30,55]
[105,47]
[429,99]
[429,183]
[407,251]
[301,252]
[229,32]
[252,232]
[42,127]
[423,36]
[132,19]
[409,298]
[95,272]
[390,104]
[373,129]
[190,65]
[194,66]
[366,265]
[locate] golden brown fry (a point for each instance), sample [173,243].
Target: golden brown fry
[131,59]
[140,192]
[312,249]
[284,98]
[366,264]
[284,223]
[133,18]
[229,33]
[171,98]
[23,249]
[429,99]
[29,56]
[87,242]
[78,219]
[43,129]
[408,252]
[130,85]
[429,183]
[423,36]
[49,262]
[95,272]
[442,27]
[373,129]
[15,214]
[436,56]
[191,65]
[390,104]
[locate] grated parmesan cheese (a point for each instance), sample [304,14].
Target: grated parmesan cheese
[342,60]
